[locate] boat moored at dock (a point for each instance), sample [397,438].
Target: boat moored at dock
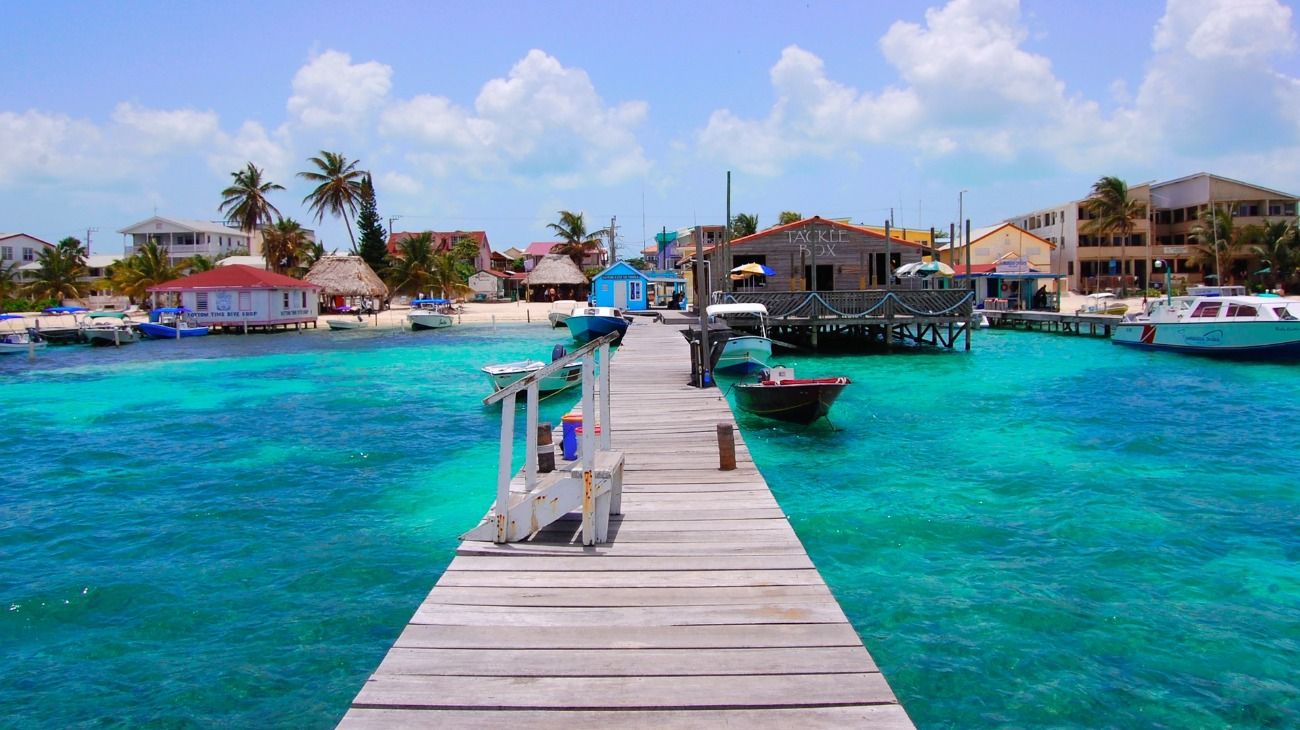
[110,329]
[589,323]
[171,323]
[744,352]
[1243,327]
[18,340]
[560,311]
[780,395]
[429,314]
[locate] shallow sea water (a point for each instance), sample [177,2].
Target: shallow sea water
[1046,531]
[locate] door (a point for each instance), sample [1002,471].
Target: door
[620,294]
[825,277]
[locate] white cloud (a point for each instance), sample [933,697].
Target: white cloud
[543,121]
[272,152]
[160,130]
[966,85]
[399,184]
[331,91]
[38,147]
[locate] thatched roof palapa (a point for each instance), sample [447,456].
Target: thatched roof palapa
[346,276]
[555,269]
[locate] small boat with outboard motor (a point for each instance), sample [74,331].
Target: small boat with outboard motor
[780,395]
[17,340]
[429,314]
[109,329]
[171,323]
[507,374]
[560,311]
[745,351]
[589,323]
[60,325]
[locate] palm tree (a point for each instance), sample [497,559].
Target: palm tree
[411,270]
[199,262]
[448,276]
[8,283]
[575,241]
[788,216]
[339,190]
[1217,240]
[283,245]
[1113,212]
[311,253]
[245,203]
[149,266]
[60,274]
[744,224]
[1276,249]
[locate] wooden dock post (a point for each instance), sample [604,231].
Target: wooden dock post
[545,449]
[726,447]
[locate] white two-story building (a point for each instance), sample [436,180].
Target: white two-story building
[183,238]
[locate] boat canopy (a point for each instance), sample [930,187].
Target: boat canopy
[415,302]
[1101,295]
[3,317]
[113,315]
[172,310]
[715,310]
[64,310]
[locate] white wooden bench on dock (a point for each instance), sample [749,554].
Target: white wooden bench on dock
[701,609]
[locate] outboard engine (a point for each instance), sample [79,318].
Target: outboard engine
[558,352]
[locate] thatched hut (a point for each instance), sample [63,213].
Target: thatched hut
[344,279]
[558,272]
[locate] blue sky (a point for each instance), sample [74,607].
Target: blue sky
[495,115]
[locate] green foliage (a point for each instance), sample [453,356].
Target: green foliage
[575,241]
[338,191]
[199,263]
[787,216]
[591,271]
[9,284]
[744,224]
[411,270]
[148,267]
[448,277]
[640,264]
[27,305]
[245,203]
[517,264]
[60,274]
[1113,212]
[374,243]
[284,245]
[1218,242]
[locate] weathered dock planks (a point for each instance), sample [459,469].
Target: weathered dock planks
[703,609]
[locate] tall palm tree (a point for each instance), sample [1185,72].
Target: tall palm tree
[245,203]
[575,241]
[789,216]
[60,274]
[311,253]
[283,245]
[148,266]
[1218,241]
[1113,213]
[411,270]
[198,262]
[339,190]
[744,224]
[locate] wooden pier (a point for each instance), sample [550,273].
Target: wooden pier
[1096,325]
[701,610]
[934,317]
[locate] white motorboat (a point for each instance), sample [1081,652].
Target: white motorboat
[16,341]
[1247,327]
[1102,303]
[109,329]
[347,323]
[743,353]
[429,314]
[560,311]
[508,373]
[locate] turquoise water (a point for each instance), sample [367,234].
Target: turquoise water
[1052,531]
[1047,531]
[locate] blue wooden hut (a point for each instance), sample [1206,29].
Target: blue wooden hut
[621,286]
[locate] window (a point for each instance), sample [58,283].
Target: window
[634,291]
[286,300]
[304,298]
[1241,310]
[1207,309]
[29,254]
[7,253]
[201,301]
[245,301]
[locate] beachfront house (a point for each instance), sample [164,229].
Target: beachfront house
[556,277]
[183,238]
[1011,267]
[20,249]
[444,241]
[621,286]
[488,284]
[347,281]
[841,256]
[242,296]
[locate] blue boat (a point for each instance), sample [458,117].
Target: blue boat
[170,323]
[589,323]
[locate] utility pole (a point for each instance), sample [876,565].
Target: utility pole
[726,240]
[88,232]
[613,248]
[392,218]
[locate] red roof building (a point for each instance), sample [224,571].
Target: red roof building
[236,296]
[445,240]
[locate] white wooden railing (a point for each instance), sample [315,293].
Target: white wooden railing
[594,482]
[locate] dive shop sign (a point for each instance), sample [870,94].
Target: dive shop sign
[824,240]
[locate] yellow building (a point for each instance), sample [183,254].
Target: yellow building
[1010,266]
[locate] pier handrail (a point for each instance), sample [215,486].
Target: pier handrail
[530,384]
[859,303]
